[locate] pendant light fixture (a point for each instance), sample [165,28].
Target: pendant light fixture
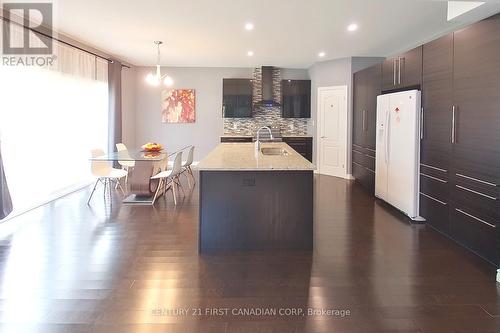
[155,79]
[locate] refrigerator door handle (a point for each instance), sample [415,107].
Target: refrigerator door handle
[388,117]
[364,120]
[399,70]
[394,72]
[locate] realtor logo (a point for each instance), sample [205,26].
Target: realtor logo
[26,14]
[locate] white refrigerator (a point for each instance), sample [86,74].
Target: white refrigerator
[397,165]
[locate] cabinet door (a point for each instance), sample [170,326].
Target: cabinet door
[237,98]
[437,101]
[296,98]
[476,96]
[409,68]
[389,74]
[476,148]
[358,108]
[372,83]
[435,153]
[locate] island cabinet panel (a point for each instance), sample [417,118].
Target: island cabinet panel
[256,210]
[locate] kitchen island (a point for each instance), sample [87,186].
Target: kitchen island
[255,199]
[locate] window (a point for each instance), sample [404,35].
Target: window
[50,119]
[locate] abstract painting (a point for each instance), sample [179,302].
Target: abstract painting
[178,106]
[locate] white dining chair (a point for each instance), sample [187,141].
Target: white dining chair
[186,167]
[105,173]
[169,179]
[125,164]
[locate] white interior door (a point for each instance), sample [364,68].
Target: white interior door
[332,130]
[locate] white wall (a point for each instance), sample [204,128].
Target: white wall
[338,72]
[128,106]
[206,131]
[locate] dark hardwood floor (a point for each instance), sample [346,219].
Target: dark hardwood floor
[113,268]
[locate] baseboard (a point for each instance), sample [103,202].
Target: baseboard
[350,177]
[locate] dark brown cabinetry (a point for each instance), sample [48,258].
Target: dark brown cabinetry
[236,139]
[237,98]
[460,149]
[301,144]
[367,86]
[402,71]
[296,98]
[435,157]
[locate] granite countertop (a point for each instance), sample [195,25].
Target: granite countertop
[244,157]
[251,136]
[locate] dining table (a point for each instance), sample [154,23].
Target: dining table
[141,188]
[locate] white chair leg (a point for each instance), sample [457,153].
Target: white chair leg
[174,185]
[157,191]
[186,173]
[120,186]
[93,190]
[178,182]
[190,171]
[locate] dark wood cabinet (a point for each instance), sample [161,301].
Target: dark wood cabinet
[296,98]
[301,144]
[435,157]
[403,71]
[460,149]
[476,137]
[226,139]
[237,98]
[366,88]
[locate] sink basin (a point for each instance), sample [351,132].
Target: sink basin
[274,151]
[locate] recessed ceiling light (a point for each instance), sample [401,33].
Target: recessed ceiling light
[250,53]
[249,26]
[352,27]
[321,54]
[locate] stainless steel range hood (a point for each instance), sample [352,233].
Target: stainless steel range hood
[268,98]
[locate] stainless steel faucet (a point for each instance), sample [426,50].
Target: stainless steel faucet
[257,143]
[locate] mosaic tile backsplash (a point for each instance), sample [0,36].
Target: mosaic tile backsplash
[263,115]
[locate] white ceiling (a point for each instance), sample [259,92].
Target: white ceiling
[288,33]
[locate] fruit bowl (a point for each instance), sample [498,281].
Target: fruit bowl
[152,147]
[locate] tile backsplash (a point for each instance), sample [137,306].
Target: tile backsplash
[263,115]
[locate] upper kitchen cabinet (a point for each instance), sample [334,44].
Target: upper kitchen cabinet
[237,98]
[403,71]
[296,98]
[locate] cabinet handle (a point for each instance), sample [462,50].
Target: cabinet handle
[432,198]
[421,123]
[394,72]
[433,167]
[477,180]
[454,108]
[399,70]
[475,218]
[475,192]
[434,178]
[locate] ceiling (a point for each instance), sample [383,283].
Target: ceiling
[287,33]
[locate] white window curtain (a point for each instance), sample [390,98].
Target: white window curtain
[50,119]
